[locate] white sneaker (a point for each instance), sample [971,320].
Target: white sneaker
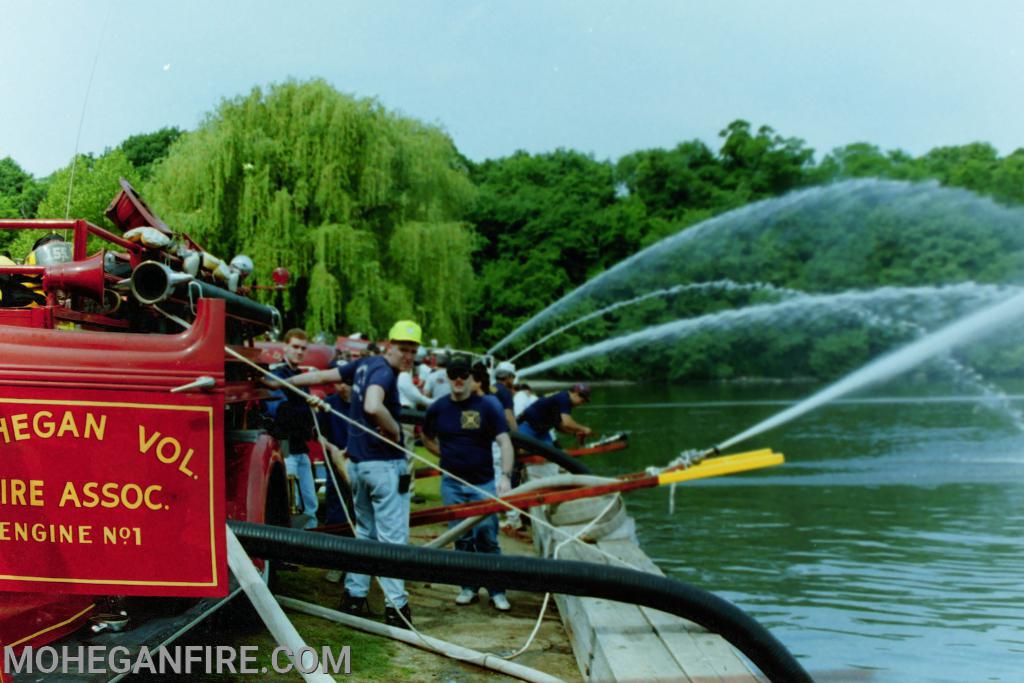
[466,597]
[512,520]
[333,575]
[500,602]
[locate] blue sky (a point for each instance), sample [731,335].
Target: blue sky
[605,78]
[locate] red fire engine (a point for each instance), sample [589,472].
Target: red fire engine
[126,440]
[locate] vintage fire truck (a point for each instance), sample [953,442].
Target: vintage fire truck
[126,439]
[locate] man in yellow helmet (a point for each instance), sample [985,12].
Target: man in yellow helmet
[378,471]
[377,468]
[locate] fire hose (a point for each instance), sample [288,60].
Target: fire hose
[529,574]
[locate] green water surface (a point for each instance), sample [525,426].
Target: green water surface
[887,548]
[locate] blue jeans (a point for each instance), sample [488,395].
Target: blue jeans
[525,428]
[483,538]
[382,514]
[298,465]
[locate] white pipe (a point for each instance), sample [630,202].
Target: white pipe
[574,480]
[463,654]
[271,613]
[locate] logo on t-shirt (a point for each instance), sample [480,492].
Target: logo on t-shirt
[470,419]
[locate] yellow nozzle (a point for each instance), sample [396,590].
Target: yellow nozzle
[722,465]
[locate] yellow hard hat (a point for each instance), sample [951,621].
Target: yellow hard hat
[406,330]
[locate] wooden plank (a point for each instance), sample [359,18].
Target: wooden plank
[615,641]
[621,642]
[701,654]
[579,640]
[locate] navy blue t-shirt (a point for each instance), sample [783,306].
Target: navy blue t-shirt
[334,428]
[465,431]
[293,420]
[504,396]
[545,413]
[347,371]
[362,446]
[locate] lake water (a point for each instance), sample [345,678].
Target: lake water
[888,547]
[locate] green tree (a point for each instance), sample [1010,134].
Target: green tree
[145,149]
[20,193]
[670,183]
[762,165]
[1008,178]
[548,222]
[305,177]
[96,182]
[971,166]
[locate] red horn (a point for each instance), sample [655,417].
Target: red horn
[82,277]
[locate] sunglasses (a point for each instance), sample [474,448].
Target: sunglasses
[458,374]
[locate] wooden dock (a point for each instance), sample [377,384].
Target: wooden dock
[616,641]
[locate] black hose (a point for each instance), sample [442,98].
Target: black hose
[237,305]
[152,283]
[528,574]
[549,452]
[411,416]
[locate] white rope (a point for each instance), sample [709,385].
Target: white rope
[554,555]
[450,649]
[330,470]
[324,406]
[575,480]
[685,460]
[319,403]
[567,537]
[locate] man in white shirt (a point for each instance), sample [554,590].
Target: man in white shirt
[437,383]
[423,368]
[522,399]
[409,394]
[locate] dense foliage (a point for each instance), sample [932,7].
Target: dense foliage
[20,193]
[146,149]
[362,206]
[378,216]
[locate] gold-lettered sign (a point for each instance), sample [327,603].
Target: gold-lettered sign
[112,498]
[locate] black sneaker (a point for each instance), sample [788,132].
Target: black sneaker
[354,606]
[392,618]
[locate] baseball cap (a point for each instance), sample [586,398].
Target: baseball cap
[583,389]
[505,369]
[458,366]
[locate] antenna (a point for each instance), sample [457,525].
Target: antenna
[81,119]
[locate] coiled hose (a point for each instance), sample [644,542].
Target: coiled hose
[529,574]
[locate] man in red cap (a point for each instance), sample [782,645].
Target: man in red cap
[553,412]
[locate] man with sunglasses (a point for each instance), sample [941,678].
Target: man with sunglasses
[460,428]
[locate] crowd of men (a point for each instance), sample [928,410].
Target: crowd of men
[467,424]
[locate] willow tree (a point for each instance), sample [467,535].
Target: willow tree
[333,188]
